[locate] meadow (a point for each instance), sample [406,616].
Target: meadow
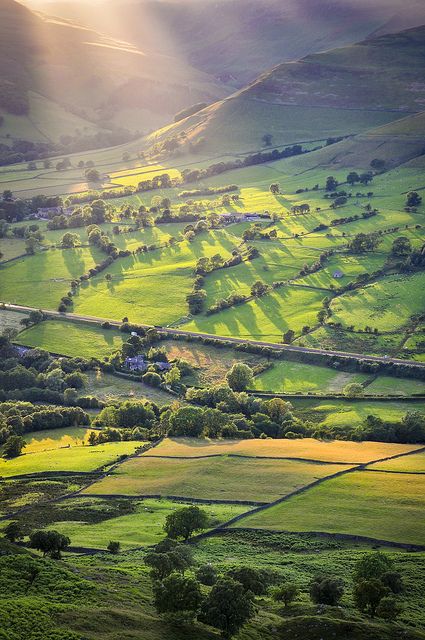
[218,478]
[109,387]
[305,448]
[142,528]
[72,458]
[407,464]
[386,506]
[72,339]
[52,439]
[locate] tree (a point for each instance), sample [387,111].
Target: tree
[182,523]
[258,289]
[35,317]
[286,593]
[366,177]
[13,531]
[267,139]
[177,596]
[113,547]
[353,177]
[401,247]
[227,607]
[288,336]
[172,376]
[13,446]
[413,199]
[251,579]
[331,183]
[196,301]
[49,542]
[274,188]
[389,608]
[168,556]
[377,164]
[92,175]
[353,390]
[239,377]
[372,565]
[92,440]
[70,240]
[393,580]
[206,574]
[187,421]
[326,590]
[368,594]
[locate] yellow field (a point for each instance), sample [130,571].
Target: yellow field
[412,464]
[307,448]
[55,439]
[220,478]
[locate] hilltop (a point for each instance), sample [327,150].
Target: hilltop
[335,93]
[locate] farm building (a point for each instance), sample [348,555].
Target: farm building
[137,363]
[337,274]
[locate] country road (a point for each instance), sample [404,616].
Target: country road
[279,347]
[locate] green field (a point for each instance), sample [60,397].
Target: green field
[220,478]
[387,304]
[41,280]
[139,529]
[296,377]
[386,506]
[306,448]
[72,339]
[346,413]
[77,458]
[109,387]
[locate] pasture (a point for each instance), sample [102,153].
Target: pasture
[386,506]
[142,528]
[109,387]
[51,439]
[218,478]
[75,458]
[305,448]
[386,304]
[72,338]
[407,464]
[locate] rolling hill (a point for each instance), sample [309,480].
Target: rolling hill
[338,92]
[58,77]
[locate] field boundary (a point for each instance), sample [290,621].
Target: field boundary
[248,457]
[301,490]
[160,496]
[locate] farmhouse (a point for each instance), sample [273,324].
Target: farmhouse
[337,274]
[137,363]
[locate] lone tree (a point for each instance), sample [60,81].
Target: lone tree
[13,446]
[274,188]
[113,547]
[286,593]
[353,390]
[49,542]
[326,590]
[239,377]
[413,199]
[389,608]
[182,523]
[331,183]
[227,607]
[177,596]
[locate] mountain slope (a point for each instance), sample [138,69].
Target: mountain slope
[338,92]
[82,72]
[235,40]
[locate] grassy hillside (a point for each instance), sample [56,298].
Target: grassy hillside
[338,92]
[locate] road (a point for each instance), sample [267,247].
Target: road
[279,347]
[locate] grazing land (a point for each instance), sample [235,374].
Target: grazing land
[306,448]
[387,506]
[52,439]
[220,478]
[77,458]
[408,464]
